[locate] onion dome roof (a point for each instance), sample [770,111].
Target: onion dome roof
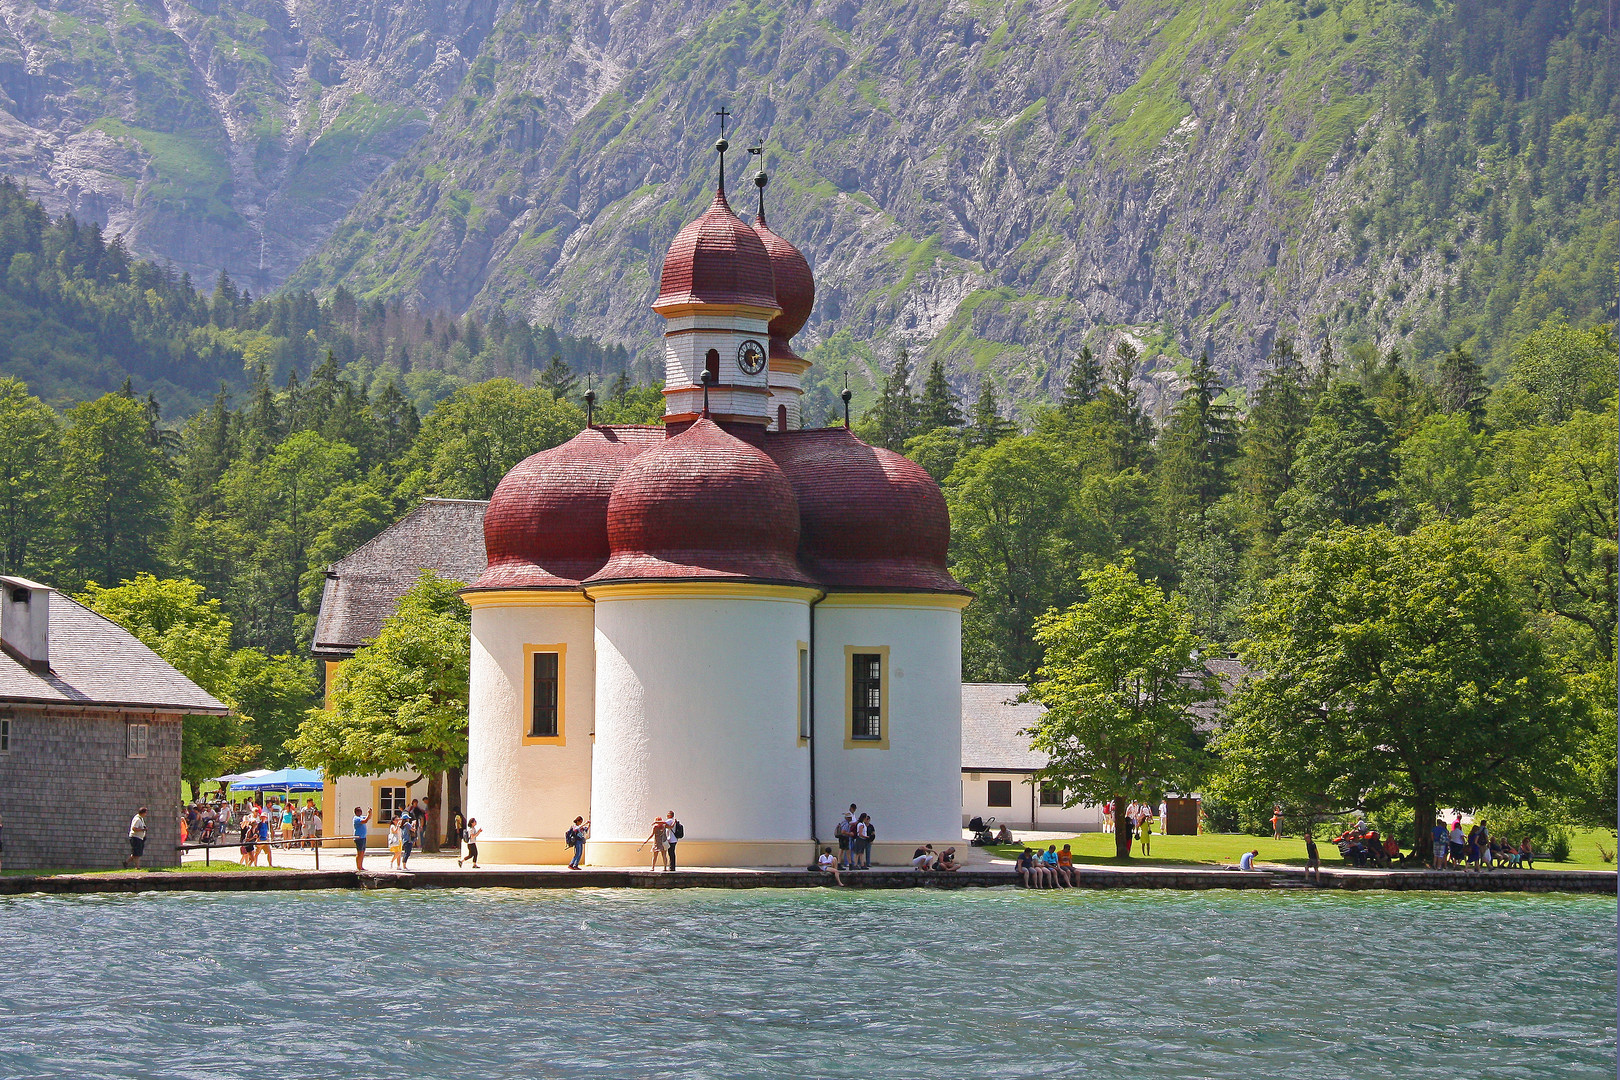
[795,285]
[703,505]
[546,525]
[869,518]
[717,259]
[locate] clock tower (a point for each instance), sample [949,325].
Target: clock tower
[718,297]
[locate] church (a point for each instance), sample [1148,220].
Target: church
[727,615]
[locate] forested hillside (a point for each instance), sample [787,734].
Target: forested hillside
[991,185]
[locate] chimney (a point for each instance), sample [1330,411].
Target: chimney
[25,621]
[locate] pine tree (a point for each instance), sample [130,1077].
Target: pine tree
[938,407]
[1199,445]
[559,378]
[1084,380]
[1130,432]
[1462,385]
[619,388]
[893,419]
[262,423]
[1271,437]
[988,426]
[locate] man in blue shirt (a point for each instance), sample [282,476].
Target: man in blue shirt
[1442,844]
[360,838]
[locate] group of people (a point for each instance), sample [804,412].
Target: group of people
[1047,869]
[1135,814]
[1478,849]
[667,833]
[854,833]
[212,822]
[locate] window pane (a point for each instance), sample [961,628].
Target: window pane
[5,734]
[1000,792]
[867,698]
[1051,795]
[543,724]
[804,693]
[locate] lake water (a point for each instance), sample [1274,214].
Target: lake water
[787,984]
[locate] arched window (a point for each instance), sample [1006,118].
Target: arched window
[711,364]
[781,418]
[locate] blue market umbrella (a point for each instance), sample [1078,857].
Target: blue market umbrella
[288,780]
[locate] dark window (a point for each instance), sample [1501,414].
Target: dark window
[136,735]
[1000,792]
[543,725]
[711,364]
[1051,795]
[867,721]
[5,734]
[781,418]
[804,693]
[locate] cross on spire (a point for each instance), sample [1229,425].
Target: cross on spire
[721,144]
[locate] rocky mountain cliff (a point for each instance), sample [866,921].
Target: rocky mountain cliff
[993,184]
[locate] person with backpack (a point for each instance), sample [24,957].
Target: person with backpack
[407,835]
[844,832]
[470,834]
[677,833]
[575,838]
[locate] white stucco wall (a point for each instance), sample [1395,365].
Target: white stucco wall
[976,803]
[912,788]
[519,790]
[698,713]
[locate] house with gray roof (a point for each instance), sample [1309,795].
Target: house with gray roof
[89,732]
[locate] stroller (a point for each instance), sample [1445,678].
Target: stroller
[982,832]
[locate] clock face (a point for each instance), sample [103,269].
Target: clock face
[751,357]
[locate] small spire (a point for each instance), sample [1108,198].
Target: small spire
[846,395]
[721,145]
[705,379]
[760,179]
[590,402]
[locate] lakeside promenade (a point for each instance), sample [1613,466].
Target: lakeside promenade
[296,872]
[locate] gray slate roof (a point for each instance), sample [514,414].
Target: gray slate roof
[94,661]
[363,588]
[992,720]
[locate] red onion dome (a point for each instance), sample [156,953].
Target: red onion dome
[703,505]
[717,260]
[546,525]
[869,518]
[795,285]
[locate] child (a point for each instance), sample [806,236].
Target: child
[471,834]
[396,843]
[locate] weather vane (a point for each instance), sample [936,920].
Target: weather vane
[760,179]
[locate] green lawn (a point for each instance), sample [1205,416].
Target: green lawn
[1226,848]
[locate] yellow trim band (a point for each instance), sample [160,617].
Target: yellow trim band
[525,598]
[953,601]
[699,590]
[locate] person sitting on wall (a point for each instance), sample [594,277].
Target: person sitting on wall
[829,864]
[1065,867]
[947,861]
[1247,862]
[1026,869]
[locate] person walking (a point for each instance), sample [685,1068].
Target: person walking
[360,824]
[137,839]
[407,837]
[263,847]
[471,833]
[576,838]
[676,833]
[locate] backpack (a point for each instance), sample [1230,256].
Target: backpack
[571,837]
[680,831]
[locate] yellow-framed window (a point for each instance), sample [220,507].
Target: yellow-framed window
[544,693]
[866,696]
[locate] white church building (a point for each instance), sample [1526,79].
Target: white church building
[726,615]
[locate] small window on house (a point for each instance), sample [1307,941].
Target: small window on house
[711,364]
[5,734]
[804,692]
[390,801]
[781,418]
[1000,792]
[543,724]
[866,721]
[135,739]
[1051,795]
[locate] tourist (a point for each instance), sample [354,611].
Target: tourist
[924,858]
[660,842]
[1441,841]
[1107,817]
[1147,832]
[312,830]
[576,838]
[1313,861]
[246,831]
[287,818]
[1247,862]
[1276,822]
[407,835]
[471,833]
[263,847]
[1527,854]
[675,833]
[1049,864]
[360,838]
[1026,868]
[947,861]
[844,833]
[829,864]
[1065,867]
[137,838]
[1458,844]
[861,844]
[458,826]
[396,841]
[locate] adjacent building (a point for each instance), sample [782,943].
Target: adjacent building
[89,733]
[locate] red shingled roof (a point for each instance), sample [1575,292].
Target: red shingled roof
[795,285]
[704,505]
[546,526]
[717,259]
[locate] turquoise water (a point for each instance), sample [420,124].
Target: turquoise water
[781,984]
